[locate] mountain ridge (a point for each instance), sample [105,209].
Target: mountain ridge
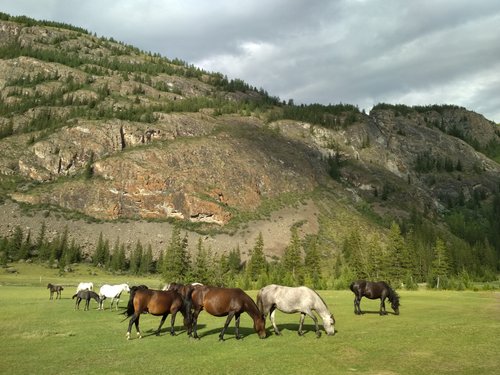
[92,126]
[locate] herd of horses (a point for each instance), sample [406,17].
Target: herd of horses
[191,299]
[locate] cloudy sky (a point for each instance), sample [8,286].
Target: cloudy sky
[359,52]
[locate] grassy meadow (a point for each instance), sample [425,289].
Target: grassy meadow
[438,332]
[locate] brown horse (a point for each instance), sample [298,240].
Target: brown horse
[230,302]
[157,302]
[55,289]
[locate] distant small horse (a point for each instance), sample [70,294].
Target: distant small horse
[230,302]
[85,295]
[374,290]
[293,300]
[157,302]
[84,286]
[55,289]
[112,291]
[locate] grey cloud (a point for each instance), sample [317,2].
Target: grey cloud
[352,51]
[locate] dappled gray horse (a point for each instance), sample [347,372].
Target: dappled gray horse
[289,300]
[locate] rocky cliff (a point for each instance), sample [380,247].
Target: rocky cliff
[96,127]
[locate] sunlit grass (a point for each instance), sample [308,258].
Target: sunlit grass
[436,333]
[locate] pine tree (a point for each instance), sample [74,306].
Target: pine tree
[353,252]
[292,259]
[257,263]
[201,264]
[176,259]
[147,261]
[99,253]
[440,265]
[397,256]
[312,263]
[15,243]
[135,258]
[41,244]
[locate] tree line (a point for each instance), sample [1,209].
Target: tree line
[412,253]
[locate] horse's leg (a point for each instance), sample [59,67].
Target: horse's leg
[134,319]
[318,332]
[271,317]
[313,317]
[237,326]
[358,302]
[194,332]
[382,306]
[157,333]
[172,323]
[228,320]
[357,305]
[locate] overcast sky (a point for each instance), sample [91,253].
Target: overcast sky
[360,52]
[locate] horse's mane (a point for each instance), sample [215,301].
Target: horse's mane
[393,296]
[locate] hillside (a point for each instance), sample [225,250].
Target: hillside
[103,137]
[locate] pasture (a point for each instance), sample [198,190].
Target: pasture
[437,332]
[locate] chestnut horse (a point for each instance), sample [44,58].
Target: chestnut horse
[374,290]
[157,302]
[230,302]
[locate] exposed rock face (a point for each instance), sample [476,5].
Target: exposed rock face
[196,163]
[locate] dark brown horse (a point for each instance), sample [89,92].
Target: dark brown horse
[230,302]
[158,303]
[55,289]
[374,290]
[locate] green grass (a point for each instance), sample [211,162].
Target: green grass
[436,333]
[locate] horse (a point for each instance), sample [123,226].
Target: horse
[112,291]
[133,289]
[292,300]
[86,295]
[230,302]
[84,286]
[374,290]
[55,289]
[157,302]
[173,286]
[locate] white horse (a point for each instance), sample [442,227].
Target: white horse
[84,286]
[112,291]
[292,300]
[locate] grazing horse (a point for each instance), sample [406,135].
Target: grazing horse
[374,290]
[230,302]
[157,302]
[55,289]
[175,286]
[86,295]
[292,300]
[112,291]
[84,286]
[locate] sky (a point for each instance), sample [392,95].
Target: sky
[359,52]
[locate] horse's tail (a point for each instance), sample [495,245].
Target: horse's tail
[187,302]
[260,304]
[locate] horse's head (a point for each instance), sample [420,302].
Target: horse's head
[395,303]
[259,325]
[329,325]
[126,288]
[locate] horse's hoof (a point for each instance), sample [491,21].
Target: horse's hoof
[318,335]
[300,333]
